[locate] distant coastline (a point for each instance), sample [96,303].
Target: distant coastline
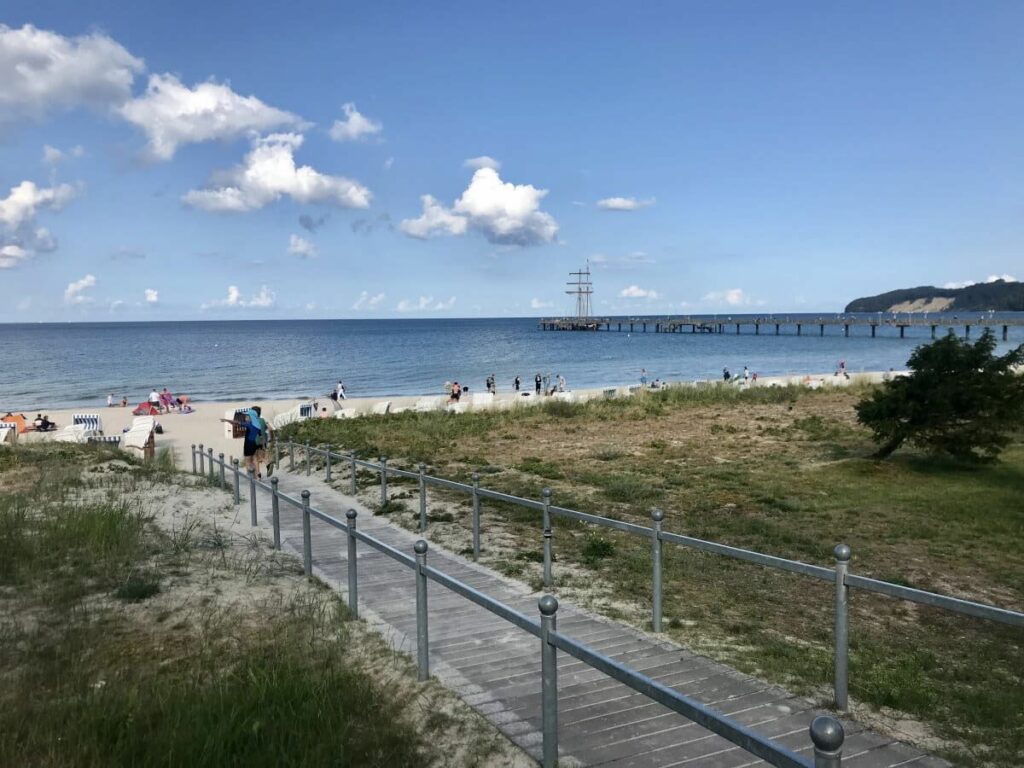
[997,296]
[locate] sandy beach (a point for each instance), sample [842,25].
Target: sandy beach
[203,426]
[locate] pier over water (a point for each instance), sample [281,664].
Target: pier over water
[776,325]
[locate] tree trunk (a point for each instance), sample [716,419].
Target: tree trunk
[886,450]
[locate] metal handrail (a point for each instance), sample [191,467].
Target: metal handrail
[826,732]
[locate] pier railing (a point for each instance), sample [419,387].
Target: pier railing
[839,574]
[826,733]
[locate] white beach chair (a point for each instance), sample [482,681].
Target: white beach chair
[346,413]
[141,436]
[565,397]
[8,433]
[306,411]
[382,409]
[457,407]
[92,422]
[425,404]
[482,400]
[75,433]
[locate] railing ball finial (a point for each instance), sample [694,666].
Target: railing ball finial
[827,734]
[273,481]
[476,477]
[548,605]
[423,467]
[546,493]
[305,494]
[842,552]
[351,514]
[420,547]
[657,515]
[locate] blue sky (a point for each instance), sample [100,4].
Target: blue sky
[198,161]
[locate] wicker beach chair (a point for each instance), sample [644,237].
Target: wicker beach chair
[91,421]
[8,433]
[141,436]
[425,404]
[382,409]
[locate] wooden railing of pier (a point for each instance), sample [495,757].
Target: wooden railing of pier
[694,325]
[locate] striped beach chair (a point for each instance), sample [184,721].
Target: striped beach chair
[306,411]
[8,433]
[114,440]
[91,421]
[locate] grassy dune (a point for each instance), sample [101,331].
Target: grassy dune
[782,471]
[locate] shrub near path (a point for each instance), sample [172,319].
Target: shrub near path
[781,471]
[142,624]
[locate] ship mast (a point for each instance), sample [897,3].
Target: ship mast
[581,288]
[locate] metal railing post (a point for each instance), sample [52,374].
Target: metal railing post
[275,512]
[549,680]
[252,497]
[291,455]
[657,516]
[422,641]
[353,576]
[383,480]
[476,516]
[355,469]
[238,493]
[193,458]
[842,628]
[307,540]
[223,480]
[327,454]
[827,735]
[423,497]
[202,460]
[308,457]
[209,455]
[547,538]
[277,453]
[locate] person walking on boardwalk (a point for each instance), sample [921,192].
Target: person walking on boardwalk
[255,440]
[536,383]
[516,383]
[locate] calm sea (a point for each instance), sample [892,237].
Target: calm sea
[64,365]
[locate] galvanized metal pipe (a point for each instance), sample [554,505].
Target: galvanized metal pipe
[291,455]
[220,460]
[383,480]
[549,680]
[423,497]
[252,497]
[277,453]
[275,512]
[827,736]
[842,628]
[422,640]
[193,458]
[476,516]
[202,460]
[238,492]
[547,537]
[307,542]
[308,455]
[657,516]
[353,576]
[354,470]
[327,453]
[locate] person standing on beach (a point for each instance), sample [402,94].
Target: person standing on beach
[561,383]
[110,400]
[154,399]
[339,390]
[536,383]
[746,373]
[516,383]
[643,377]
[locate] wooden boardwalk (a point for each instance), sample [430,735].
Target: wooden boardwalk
[495,667]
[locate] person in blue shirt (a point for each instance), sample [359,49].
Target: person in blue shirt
[255,440]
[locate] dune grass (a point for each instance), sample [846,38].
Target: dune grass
[102,662]
[783,471]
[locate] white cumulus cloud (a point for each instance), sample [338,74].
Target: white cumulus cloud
[152,296]
[268,173]
[301,247]
[506,214]
[734,297]
[425,304]
[435,220]
[262,300]
[538,304]
[172,114]
[484,161]
[366,301]
[636,292]
[989,279]
[355,126]
[624,203]
[74,293]
[41,71]
[20,237]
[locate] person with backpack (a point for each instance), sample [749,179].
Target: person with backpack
[256,440]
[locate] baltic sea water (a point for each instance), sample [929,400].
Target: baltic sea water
[67,365]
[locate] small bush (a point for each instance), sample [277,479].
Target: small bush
[138,588]
[596,549]
[536,466]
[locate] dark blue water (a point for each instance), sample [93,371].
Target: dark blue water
[58,365]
